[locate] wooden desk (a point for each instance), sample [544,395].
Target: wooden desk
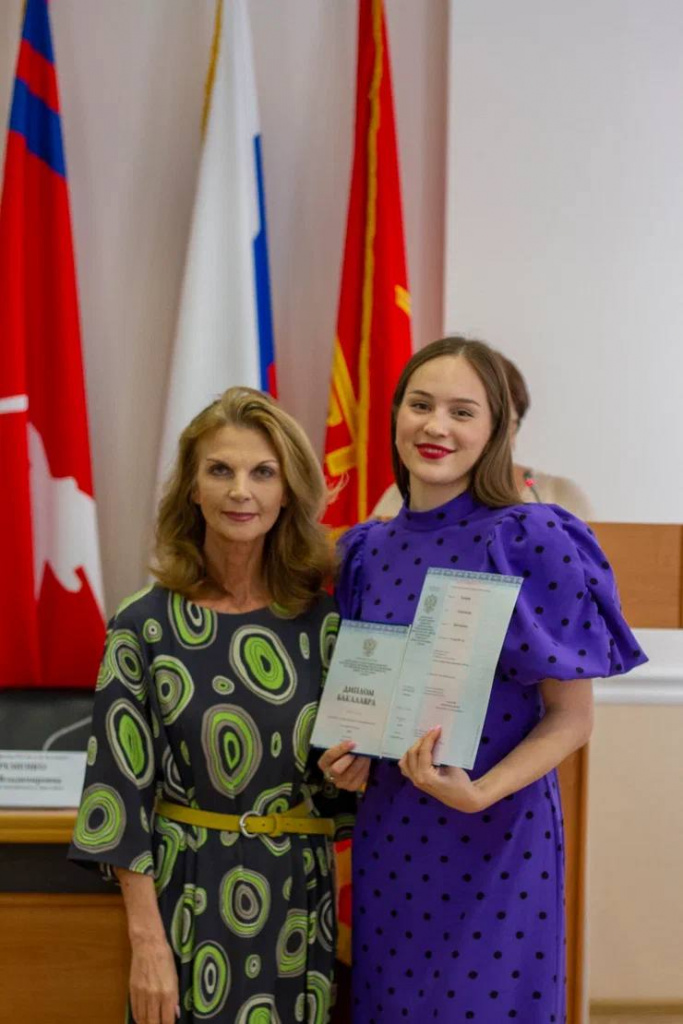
[63,957]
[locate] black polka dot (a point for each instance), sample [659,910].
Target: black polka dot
[552,659]
[539,610]
[454,558]
[539,549]
[418,561]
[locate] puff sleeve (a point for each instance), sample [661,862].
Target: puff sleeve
[567,622]
[350,580]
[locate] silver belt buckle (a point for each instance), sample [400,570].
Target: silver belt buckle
[243,824]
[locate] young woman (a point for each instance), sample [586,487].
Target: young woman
[199,795]
[458,876]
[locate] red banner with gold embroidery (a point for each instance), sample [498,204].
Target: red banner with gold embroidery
[373,340]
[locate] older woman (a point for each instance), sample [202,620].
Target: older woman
[199,795]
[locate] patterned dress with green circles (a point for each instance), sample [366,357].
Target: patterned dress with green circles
[215,711]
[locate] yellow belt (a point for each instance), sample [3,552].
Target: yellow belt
[250,824]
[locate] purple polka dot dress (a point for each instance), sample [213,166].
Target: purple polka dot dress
[459,917]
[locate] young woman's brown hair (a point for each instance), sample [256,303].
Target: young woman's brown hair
[493,481]
[298,557]
[519,392]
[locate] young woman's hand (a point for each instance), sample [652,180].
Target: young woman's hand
[344,769]
[153,983]
[452,786]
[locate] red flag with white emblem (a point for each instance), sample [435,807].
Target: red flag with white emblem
[51,617]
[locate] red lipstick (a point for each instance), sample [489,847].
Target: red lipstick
[433,451]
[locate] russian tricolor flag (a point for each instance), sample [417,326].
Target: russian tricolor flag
[51,619]
[225,328]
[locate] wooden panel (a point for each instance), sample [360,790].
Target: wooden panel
[63,959]
[36,826]
[647,561]
[573,774]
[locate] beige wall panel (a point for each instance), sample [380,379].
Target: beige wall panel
[636,854]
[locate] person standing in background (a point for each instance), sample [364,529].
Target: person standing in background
[533,487]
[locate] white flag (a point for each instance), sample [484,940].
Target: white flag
[224,335]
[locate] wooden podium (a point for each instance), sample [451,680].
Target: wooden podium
[64,957]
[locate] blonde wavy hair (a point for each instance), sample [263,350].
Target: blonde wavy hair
[298,558]
[493,481]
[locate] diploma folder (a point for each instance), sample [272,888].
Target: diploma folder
[387,685]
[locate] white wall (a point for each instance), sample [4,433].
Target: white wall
[565,231]
[131,76]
